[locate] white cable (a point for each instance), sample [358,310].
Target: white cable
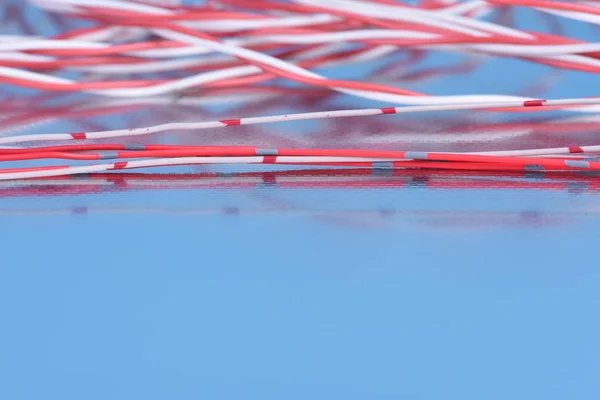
[208,45]
[537,50]
[221,98]
[382,11]
[11,44]
[72,5]
[579,16]
[534,152]
[179,161]
[292,117]
[439,20]
[384,97]
[463,8]
[239,25]
[346,36]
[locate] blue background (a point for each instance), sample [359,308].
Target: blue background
[464,293]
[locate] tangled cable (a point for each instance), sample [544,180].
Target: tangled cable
[168,49]
[551,159]
[231,43]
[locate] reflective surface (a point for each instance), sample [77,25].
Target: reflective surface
[267,284]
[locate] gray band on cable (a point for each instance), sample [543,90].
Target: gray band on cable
[383,171]
[533,175]
[265,185]
[111,155]
[80,176]
[533,167]
[577,186]
[416,155]
[134,146]
[383,164]
[577,164]
[267,152]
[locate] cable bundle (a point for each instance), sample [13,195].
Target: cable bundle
[166,50]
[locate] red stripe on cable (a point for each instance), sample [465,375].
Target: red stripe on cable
[79,136]
[120,165]
[575,149]
[231,122]
[533,103]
